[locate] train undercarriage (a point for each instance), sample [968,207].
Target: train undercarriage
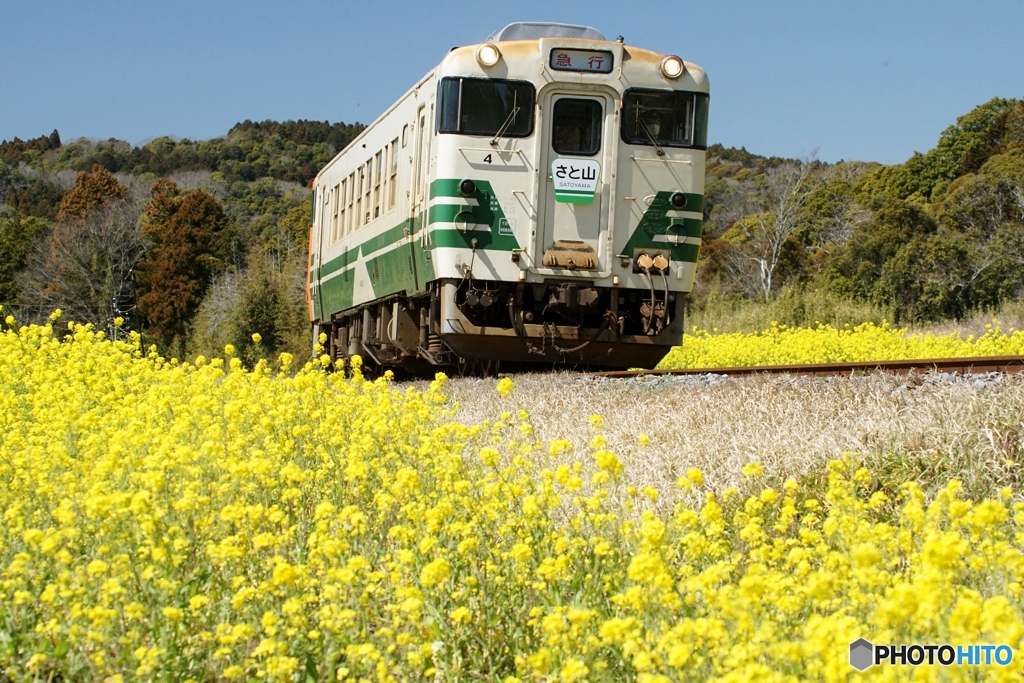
[476,326]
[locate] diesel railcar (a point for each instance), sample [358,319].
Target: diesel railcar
[536,198]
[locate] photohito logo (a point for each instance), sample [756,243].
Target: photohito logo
[864,654]
[861,654]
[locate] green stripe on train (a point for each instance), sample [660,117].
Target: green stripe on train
[391,271]
[487,213]
[347,257]
[656,221]
[385,239]
[336,294]
[386,273]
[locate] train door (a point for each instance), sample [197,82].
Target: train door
[578,163]
[418,203]
[316,248]
[419,196]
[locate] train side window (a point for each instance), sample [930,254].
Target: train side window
[351,202]
[376,183]
[393,187]
[359,198]
[367,189]
[577,126]
[334,219]
[341,219]
[324,209]
[385,178]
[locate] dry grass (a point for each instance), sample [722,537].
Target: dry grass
[1009,317]
[923,429]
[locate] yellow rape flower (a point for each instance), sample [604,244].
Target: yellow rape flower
[505,386]
[753,469]
[435,572]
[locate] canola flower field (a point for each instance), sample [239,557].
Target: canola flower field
[782,345]
[198,522]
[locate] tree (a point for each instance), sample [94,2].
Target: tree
[84,263]
[766,237]
[21,150]
[190,239]
[29,192]
[16,238]
[984,213]
[910,282]
[90,190]
[261,299]
[1004,134]
[855,268]
[961,148]
[832,210]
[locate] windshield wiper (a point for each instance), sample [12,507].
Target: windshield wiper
[651,137]
[508,121]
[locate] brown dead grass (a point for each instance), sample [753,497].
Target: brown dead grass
[927,431]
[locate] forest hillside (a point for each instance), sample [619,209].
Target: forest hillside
[198,244]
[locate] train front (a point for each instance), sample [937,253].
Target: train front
[566,197]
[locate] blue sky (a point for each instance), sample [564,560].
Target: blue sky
[853,80]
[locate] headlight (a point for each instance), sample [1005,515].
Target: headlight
[672,66]
[488,54]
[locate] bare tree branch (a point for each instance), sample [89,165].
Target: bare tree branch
[82,263]
[778,207]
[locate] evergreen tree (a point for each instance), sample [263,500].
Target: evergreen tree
[90,190]
[190,238]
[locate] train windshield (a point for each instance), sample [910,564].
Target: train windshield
[660,118]
[480,106]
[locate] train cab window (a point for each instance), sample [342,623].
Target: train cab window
[662,118]
[576,129]
[700,121]
[487,107]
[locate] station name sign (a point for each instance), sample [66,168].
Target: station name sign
[575,180]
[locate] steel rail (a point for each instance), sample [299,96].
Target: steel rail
[971,365]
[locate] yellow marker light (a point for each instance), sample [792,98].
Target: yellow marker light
[488,55]
[672,66]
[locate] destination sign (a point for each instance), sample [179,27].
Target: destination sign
[594,61]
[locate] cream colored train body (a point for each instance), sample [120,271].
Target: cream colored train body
[537,198]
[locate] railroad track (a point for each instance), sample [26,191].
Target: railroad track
[977,365]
